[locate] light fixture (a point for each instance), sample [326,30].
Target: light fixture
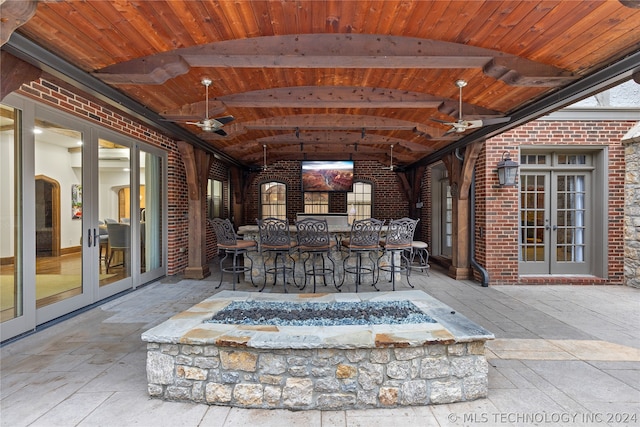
[507,171]
[264,155]
[391,164]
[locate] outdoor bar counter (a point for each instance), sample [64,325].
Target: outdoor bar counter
[339,229]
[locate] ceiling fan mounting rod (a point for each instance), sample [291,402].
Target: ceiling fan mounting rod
[460,83]
[206,82]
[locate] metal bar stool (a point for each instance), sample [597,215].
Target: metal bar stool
[230,243]
[398,240]
[420,249]
[316,243]
[275,239]
[363,239]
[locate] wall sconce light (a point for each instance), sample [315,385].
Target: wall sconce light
[507,171]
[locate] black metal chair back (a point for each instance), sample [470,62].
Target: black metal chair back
[400,233]
[225,233]
[313,233]
[366,232]
[315,242]
[231,243]
[274,232]
[275,238]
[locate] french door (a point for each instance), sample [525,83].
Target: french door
[555,222]
[83,217]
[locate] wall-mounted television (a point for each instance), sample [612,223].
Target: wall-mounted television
[334,175]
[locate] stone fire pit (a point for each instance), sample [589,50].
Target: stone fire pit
[439,360]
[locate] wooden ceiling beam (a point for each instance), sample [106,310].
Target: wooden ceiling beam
[328,97]
[353,51]
[324,122]
[13,14]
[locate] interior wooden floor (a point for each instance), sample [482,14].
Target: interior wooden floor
[69,266]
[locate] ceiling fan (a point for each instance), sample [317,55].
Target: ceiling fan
[210,124]
[463,125]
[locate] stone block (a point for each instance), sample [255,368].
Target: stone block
[270,379]
[367,398]
[155,390]
[475,347]
[399,369]
[273,364]
[160,368]
[178,393]
[380,355]
[414,392]
[170,349]
[475,387]
[210,350]
[239,360]
[248,394]
[434,367]
[388,396]
[346,371]
[297,392]
[191,373]
[272,395]
[356,355]
[298,371]
[335,401]
[370,375]
[457,349]
[468,365]
[206,362]
[408,353]
[445,391]
[197,391]
[218,393]
[327,384]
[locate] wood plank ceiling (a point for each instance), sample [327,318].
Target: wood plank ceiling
[336,79]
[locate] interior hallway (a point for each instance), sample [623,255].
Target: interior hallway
[562,353]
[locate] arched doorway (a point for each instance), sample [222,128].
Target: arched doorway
[47,217]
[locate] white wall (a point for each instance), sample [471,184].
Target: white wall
[54,162]
[6,194]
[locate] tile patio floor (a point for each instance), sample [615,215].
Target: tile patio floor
[563,355]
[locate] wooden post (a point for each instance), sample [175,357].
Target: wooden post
[460,177]
[197,164]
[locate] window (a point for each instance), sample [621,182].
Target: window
[316,202]
[360,201]
[273,199]
[214,199]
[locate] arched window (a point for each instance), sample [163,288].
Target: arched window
[360,201]
[273,200]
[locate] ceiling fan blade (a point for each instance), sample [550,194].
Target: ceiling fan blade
[495,121]
[441,121]
[220,132]
[224,119]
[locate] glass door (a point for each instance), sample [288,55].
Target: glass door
[115,204]
[554,214]
[11,283]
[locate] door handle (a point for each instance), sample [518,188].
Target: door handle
[95,237]
[89,238]
[554,228]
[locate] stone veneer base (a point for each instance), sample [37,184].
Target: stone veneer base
[330,368]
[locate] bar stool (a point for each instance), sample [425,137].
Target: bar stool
[275,239]
[364,239]
[420,249]
[230,243]
[316,243]
[398,240]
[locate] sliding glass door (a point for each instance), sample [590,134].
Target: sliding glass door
[82,214]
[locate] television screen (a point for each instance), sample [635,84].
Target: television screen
[327,175]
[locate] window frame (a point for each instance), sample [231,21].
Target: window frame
[363,208]
[280,201]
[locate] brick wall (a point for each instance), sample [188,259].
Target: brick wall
[388,203]
[497,208]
